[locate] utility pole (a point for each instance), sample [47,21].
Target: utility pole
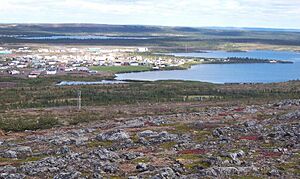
[79,100]
[186,48]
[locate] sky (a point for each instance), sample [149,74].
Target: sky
[192,13]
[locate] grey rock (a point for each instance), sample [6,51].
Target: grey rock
[218,132]
[133,177]
[274,173]
[165,173]
[131,155]
[64,150]
[43,166]
[23,151]
[61,140]
[147,133]
[227,171]
[165,136]
[141,167]
[104,154]
[249,123]
[10,154]
[97,176]
[110,168]
[12,176]
[236,155]
[290,116]
[116,135]
[8,169]
[79,140]
[68,175]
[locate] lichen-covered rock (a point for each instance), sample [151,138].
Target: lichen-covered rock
[18,152]
[227,171]
[8,169]
[115,135]
[68,175]
[12,176]
[290,116]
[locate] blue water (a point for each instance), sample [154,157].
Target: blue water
[5,52]
[86,37]
[229,73]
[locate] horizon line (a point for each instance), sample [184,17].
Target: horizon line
[76,23]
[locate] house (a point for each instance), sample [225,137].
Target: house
[134,63]
[118,64]
[22,66]
[51,71]
[69,69]
[93,72]
[83,69]
[101,62]
[34,74]
[14,72]
[4,67]
[142,49]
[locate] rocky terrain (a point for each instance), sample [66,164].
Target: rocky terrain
[258,141]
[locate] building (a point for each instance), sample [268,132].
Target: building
[34,74]
[14,72]
[51,71]
[134,64]
[83,69]
[142,49]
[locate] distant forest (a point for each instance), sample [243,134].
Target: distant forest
[165,36]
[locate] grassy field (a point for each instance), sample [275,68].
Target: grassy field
[121,69]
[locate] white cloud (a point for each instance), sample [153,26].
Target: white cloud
[259,13]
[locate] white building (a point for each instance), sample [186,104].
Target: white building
[134,64]
[14,72]
[118,64]
[142,49]
[51,72]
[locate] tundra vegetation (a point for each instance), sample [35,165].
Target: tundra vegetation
[169,129]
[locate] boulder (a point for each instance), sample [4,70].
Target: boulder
[68,175]
[141,167]
[12,176]
[8,169]
[104,154]
[116,135]
[227,171]
[290,116]
[147,133]
[165,173]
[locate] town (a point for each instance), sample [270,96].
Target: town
[33,62]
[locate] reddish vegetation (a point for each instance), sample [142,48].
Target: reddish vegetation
[271,154]
[193,151]
[148,123]
[224,114]
[239,109]
[253,137]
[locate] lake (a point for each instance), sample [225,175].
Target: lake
[229,73]
[87,37]
[5,52]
